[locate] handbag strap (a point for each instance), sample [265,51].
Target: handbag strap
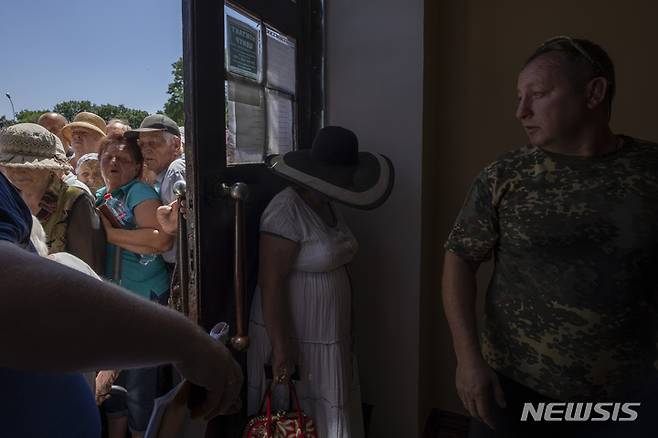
[267,402]
[298,406]
[292,394]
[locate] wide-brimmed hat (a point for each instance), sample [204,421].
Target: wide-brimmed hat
[335,167]
[31,146]
[85,120]
[154,123]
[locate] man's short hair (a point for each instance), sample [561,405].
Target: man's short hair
[584,59]
[123,122]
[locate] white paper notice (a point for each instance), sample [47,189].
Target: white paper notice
[171,416]
[280,123]
[281,63]
[245,125]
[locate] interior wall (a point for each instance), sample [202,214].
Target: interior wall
[374,87]
[481,47]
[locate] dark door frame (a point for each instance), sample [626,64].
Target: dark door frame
[210,248]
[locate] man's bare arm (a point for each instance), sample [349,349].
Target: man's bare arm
[459,293]
[475,381]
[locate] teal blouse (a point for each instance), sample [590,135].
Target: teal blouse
[147,280]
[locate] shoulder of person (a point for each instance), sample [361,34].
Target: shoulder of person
[287,202]
[140,191]
[286,197]
[511,162]
[73,193]
[73,180]
[176,166]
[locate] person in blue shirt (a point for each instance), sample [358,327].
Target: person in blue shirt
[138,267]
[53,325]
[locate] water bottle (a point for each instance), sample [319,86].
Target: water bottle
[119,211]
[123,219]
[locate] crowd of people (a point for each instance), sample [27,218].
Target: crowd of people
[93,189]
[100,199]
[570,310]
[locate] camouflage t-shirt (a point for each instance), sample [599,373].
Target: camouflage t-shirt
[571,307]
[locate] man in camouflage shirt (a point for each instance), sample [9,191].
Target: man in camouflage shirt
[572,223]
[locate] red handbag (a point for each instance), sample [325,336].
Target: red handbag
[284,424]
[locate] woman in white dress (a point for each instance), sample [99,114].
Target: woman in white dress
[301,316]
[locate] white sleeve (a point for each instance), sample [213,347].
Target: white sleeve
[175,173]
[281,218]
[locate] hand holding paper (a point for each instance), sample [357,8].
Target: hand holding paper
[212,387]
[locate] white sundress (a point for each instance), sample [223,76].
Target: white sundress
[321,309]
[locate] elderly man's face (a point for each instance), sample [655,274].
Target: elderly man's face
[157,151]
[550,109]
[85,141]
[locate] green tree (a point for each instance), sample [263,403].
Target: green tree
[174,105]
[72,107]
[29,116]
[107,111]
[133,116]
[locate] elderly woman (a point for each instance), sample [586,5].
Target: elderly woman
[88,171]
[137,268]
[29,158]
[301,314]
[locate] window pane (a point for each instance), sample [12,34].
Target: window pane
[281,55]
[242,44]
[245,123]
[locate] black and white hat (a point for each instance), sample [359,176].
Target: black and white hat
[335,167]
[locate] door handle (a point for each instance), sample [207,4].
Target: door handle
[239,193]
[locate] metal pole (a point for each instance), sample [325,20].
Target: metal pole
[12,105]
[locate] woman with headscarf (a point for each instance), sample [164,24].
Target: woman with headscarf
[301,316]
[30,159]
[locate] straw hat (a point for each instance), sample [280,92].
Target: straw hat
[31,146]
[335,167]
[85,120]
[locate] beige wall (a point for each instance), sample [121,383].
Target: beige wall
[481,45]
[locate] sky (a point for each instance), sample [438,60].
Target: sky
[117,52]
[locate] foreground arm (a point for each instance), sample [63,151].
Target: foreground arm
[475,380]
[74,312]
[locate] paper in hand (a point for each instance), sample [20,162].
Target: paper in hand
[171,417]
